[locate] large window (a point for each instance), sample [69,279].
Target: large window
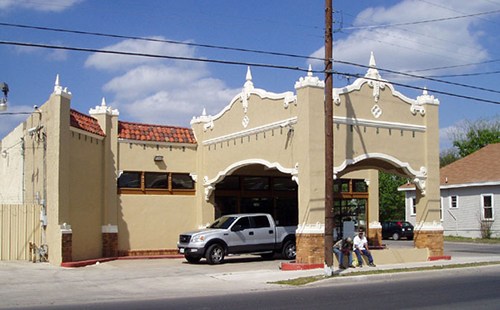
[155,183]
[487,203]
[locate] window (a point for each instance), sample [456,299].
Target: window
[487,204]
[261,221]
[256,183]
[413,206]
[155,183]
[129,179]
[454,202]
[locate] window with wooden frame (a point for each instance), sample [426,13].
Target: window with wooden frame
[487,204]
[155,183]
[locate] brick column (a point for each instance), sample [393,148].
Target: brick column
[310,248]
[66,243]
[430,235]
[109,241]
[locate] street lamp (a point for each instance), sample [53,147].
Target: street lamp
[5,91]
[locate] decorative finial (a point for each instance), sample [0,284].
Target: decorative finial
[310,71]
[425,92]
[57,81]
[372,60]
[249,74]
[103,102]
[248,84]
[204,113]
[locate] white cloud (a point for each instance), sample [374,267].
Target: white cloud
[44,6]
[113,62]
[161,91]
[417,46]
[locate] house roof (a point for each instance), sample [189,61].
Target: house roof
[479,167]
[482,166]
[85,122]
[155,133]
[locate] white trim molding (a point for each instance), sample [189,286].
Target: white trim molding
[419,176]
[248,132]
[377,124]
[429,226]
[318,228]
[66,229]
[109,229]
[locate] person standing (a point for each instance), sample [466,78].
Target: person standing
[361,248]
[341,248]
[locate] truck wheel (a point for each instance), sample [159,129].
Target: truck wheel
[192,259]
[289,250]
[215,254]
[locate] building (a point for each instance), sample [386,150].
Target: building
[470,189]
[107,187]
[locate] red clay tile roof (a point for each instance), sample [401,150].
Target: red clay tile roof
[155,133]
[85,122]
[479,167]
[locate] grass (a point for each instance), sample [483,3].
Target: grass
[472,240]
[307,280]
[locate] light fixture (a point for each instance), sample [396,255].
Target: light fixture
[158,158]
[3,101]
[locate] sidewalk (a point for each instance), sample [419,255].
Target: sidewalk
[26,284]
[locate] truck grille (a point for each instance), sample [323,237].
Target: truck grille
[184,238]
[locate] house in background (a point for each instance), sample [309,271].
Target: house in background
[470,195]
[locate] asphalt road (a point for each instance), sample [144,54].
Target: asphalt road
[133,284]
[461,289]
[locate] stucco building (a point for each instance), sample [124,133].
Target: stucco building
[107,187]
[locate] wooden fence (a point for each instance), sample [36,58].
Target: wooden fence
[19,226]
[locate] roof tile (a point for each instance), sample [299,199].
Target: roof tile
[85,122]
[156,133]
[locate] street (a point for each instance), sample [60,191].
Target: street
[244,281]
[458,289]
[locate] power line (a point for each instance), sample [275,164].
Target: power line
[91,50]
[258,65]
[423,21]
[418,88]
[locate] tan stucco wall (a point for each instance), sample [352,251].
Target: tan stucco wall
[155,221]
[86,186]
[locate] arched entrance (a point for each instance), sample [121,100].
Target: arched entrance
[255,188]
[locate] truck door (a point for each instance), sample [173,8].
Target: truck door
[241,235]
[263,237]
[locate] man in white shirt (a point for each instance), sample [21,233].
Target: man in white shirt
[361,247]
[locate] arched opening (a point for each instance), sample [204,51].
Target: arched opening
[257,188]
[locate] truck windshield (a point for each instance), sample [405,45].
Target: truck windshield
[223,222]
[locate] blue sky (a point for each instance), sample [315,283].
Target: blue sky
[171,92]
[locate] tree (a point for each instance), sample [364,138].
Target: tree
[391,201]
[447,157]
[472,136]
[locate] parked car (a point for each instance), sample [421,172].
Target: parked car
[397,230]
[238,233]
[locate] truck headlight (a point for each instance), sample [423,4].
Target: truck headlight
[199,238]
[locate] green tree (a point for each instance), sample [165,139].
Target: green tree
[447,157]
[472,136]
[391,201]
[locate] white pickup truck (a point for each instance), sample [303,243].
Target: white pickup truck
[238,233]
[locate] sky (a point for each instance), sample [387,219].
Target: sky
[454,41]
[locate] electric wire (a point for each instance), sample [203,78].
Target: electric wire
[256,65]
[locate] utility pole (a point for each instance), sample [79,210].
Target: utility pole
[329,224]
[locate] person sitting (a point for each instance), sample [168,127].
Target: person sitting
[361,247]
[342,247]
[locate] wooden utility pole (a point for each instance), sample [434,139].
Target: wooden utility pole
[329,224]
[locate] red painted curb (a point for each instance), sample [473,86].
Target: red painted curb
[88,262]
[299,266]
[443,257]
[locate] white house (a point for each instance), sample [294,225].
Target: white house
[470,195]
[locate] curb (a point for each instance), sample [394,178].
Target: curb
[88,262]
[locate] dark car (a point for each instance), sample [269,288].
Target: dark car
[397,230]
